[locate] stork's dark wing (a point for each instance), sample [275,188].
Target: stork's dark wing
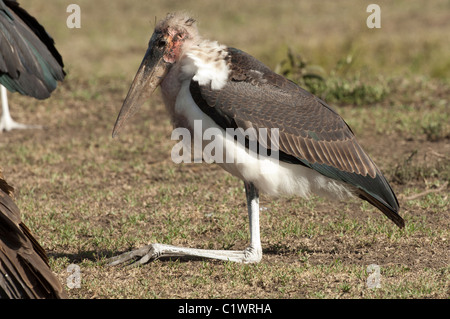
[311,133]
[24,269]
[29,61]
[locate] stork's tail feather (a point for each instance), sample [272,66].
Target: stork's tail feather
[388,210]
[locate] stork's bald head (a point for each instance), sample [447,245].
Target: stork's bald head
[172,33]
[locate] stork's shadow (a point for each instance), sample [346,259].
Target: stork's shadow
[101,257]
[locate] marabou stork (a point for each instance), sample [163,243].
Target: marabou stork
[29,61]
[24,269]
[224,88]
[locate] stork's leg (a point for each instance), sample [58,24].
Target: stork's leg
[251,254]
[6,122]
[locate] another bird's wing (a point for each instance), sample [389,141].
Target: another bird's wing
[24,269]
[311,133]
[29,61]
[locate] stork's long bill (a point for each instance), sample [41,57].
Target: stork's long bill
[151,72]
[226,88]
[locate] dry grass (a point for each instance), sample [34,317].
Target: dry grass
[88,197]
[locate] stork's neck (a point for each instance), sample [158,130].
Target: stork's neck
[205,62]
[170,87]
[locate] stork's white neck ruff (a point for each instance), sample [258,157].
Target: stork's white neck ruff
[203,61]
[206,63]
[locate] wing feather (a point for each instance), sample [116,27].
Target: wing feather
[29,61]
[24,269]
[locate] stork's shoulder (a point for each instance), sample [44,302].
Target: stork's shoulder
[244,67]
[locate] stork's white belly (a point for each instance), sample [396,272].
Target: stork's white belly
[269,175]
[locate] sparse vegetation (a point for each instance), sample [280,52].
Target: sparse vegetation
[333,88]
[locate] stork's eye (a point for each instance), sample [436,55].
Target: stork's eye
[161,43]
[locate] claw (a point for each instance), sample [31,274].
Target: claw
[8,125]
[138,256]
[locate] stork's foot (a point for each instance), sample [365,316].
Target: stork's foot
[8,124]
[139,256]
[154,251]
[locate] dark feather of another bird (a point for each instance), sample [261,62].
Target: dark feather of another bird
[29,61]
[24,268]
